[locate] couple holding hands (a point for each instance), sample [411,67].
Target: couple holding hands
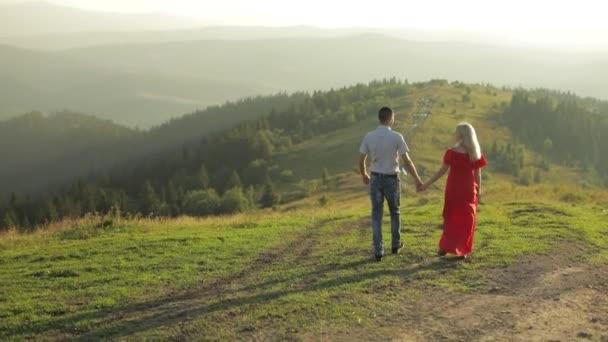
[464,161]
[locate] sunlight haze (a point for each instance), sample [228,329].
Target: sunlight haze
[571,25]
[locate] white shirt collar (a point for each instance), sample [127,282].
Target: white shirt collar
[384,127]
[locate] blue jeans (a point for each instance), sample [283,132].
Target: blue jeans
[381,187]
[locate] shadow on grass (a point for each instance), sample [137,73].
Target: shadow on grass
[172,309]
[223,294]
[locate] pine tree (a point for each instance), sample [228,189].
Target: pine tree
[202,177]
[250,194]
[262,145]
[173,199]
[9,219]
[234,181]
[51,211]
[89,199]
[15,201]
[269,198]
[25,223]
[149,201]
[325,177]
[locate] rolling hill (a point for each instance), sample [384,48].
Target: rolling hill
[304,269]
[33,80]
[319,63]
[64,41]
[146,84]
[274,139]
[16,20]
[42,152]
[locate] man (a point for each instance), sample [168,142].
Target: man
[384,147]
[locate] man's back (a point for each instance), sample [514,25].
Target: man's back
[384,146]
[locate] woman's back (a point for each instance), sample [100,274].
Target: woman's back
[461,185]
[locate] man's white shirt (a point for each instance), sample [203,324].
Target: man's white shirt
[384,146]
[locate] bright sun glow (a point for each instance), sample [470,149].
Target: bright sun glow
[577,23]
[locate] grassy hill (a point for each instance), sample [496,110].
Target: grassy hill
[307,274]
[338,151]
[303,270]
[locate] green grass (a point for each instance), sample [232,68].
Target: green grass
[301,271]
[307,271]
[71,272]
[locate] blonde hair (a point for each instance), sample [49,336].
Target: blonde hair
[469,140]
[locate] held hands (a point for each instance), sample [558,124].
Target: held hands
[421,187]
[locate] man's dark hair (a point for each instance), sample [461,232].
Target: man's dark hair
[385,114]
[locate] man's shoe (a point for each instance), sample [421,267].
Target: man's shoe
[379,257]
[396,250]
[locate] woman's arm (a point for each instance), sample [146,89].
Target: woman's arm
[442,170]
[478,181]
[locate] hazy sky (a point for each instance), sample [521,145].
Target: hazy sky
[580,22]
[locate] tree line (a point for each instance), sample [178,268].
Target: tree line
[224,172]
[562,127]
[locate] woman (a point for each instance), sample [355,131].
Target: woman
[464,161]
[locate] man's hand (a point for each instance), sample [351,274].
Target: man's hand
[419,186]
[363,169]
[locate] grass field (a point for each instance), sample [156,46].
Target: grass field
[304,271]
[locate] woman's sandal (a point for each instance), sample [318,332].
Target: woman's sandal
[441,253]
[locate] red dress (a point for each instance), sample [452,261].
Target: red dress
[460,205]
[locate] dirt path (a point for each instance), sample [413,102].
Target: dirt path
[233,291]
[542,298]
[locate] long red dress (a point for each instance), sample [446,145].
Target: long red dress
[460,205]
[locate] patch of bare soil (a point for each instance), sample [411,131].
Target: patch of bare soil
[541,298]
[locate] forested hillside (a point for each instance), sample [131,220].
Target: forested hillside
[42,152]
[289,138]
[236,164]
[561,126]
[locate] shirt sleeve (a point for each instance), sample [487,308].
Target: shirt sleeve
[481,163]
[403,149]
[448,158]
[364,149]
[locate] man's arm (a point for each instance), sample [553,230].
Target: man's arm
[411,168]
[363,168]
